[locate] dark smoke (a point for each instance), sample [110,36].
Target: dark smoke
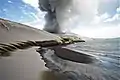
[50,17]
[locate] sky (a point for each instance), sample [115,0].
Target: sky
[21,11]
[105,22]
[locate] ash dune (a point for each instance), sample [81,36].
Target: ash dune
[23,64]
[19,32]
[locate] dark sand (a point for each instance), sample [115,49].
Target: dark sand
[23,64]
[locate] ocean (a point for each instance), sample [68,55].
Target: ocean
[106,51]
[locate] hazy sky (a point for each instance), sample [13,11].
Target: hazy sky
[105,22]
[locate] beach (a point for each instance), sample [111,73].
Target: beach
[23,64]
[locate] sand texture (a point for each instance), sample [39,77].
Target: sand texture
[23,64]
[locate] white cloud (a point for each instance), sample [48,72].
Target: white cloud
[38,21]
[105,16]
[33,3]
[36,24]
[115,17]
[10,2]
[4,10]
[98,31]
[98,19]
[118,10]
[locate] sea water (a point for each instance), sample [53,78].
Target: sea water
[106,51]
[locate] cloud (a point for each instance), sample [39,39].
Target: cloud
[118,10]
[104,25]
[38,21]
[33,3]
[10,2]
[36,24]
[98,31]
[108,12]
[106,18]
[109,26]
[108,6]
[99,19]
[82,11]
[114,19]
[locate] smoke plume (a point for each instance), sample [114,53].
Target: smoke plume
[63,15]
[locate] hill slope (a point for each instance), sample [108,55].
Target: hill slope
[23,64]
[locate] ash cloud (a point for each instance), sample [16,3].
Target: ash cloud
[63,15]
[56,14]
[50,17]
